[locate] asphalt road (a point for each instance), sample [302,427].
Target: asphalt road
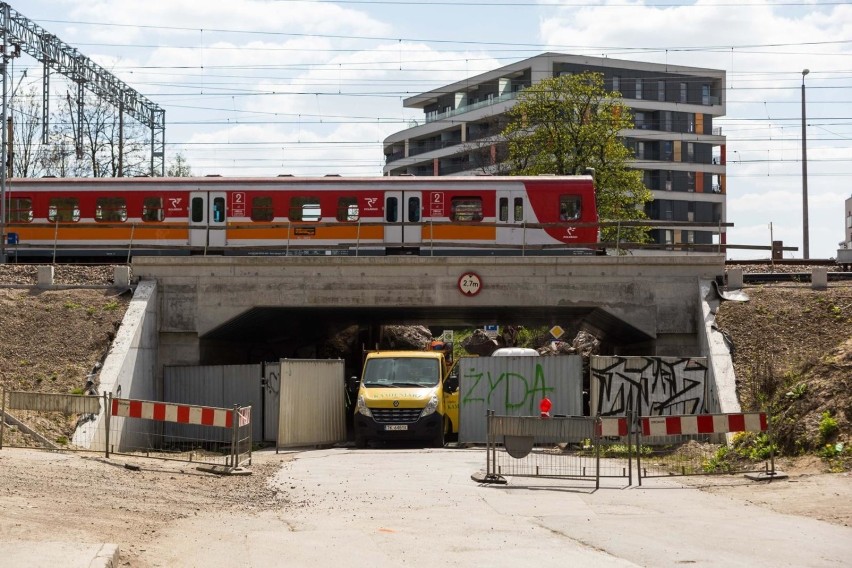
[384,507]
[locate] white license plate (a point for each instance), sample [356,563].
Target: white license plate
[396,427]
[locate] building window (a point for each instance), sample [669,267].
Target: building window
[152,209]
[638,88]
[640,150]
[616,83]
[690,181]
[305,209]
[347,209]
[261,208]
[668,150]
[667,121]
[111,210]
[690,152]
[639,121]
[20,210]
[668,185]
[690,117]
[705,94]
[64,210]
[661,90]
[569,207]
[466,209]
[683,97]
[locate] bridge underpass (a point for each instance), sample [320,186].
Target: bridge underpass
[268,334]
[223,310]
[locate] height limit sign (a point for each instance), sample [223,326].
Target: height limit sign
[470,284]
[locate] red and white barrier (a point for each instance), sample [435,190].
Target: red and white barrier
[703,424]
[180,413]
[612,426]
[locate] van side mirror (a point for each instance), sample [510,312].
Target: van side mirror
[451,384]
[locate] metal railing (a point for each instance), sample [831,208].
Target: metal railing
[103,424]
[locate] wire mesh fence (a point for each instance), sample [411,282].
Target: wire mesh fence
[48,421]
[700,445]
[571,447]
[103,424]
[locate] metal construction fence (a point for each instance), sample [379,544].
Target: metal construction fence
[103,424]
[570,447]
[592,448]
[697,446]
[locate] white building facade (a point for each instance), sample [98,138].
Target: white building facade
[682,156]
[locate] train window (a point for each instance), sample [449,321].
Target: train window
[413,209]
[466,209]
[305,209]
[20,210]
[152,209]
[197,208]
[569,207]
[218,209]
[392,210]
[64,209]
[504,208]
[347,209]
[519,209]
[261,208]
[110,210]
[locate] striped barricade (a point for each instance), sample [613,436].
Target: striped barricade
[230,445]
[703,424]
[694,448]
[168,412]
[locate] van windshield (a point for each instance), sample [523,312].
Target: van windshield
[401,372]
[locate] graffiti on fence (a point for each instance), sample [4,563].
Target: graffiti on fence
[514,390]
[648,385]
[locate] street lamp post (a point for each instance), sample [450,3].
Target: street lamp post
[805,231]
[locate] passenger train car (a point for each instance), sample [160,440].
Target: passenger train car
[53,218]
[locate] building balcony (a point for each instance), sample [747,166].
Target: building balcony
[435,116]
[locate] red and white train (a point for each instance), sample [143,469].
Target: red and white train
[53,218]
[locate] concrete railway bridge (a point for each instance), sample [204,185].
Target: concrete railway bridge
[243,310]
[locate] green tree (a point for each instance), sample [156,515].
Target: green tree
[179,167]
[567,124]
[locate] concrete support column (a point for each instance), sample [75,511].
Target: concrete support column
[819,278]
[121,276]
[735,278]
[45,276]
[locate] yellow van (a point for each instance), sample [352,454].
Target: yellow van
[406,395]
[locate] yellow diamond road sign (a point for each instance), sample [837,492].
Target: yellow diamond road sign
[556,331]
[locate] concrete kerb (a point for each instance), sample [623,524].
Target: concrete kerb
[36,554]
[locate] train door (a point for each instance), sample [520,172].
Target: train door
[207,219]
[403,218]
[512,210]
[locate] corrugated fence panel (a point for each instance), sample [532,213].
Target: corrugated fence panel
[311,403]
[650,386]
[44,402]
[271,394]
[514,386]
[221,386]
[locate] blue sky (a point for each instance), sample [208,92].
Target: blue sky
[312,88]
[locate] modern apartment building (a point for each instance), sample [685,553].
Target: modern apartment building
[681,154]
